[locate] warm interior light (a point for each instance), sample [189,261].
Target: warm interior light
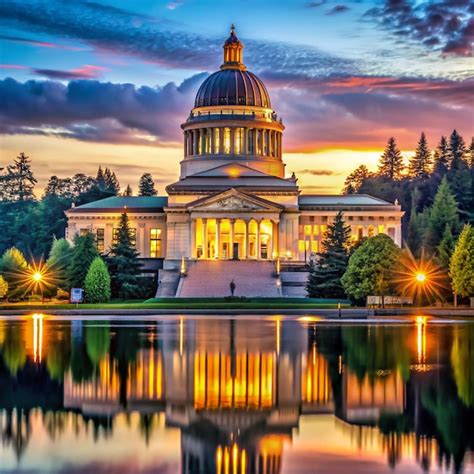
[420,277]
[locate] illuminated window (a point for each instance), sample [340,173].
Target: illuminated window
[238,140]
[370,231]
[216,140]
[259,141]
[381,229]
[226,140]
[155,243]
[265,142]
[316,230]
[100,240]
[301,245]
[83,232]
[307,230]
[315,246]
[133,234]
[360,232]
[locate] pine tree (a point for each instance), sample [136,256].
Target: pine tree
[355,180]
[420,164]
[100,179]
[443,213]
[20,179]
[446,247]
[128,191]
[84,252]
[461,267]
[97,282]
[123,262]
[59,260]
[457,150]
[111,183]
[441,158]
[391,162]
[459,175]
[146,186]
[324,279]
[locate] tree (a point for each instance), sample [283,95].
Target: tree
[59,260]
[111,182]
[420,164]
[123,262]
[83,254]
[20,179]
[441,158]
[59,187]
[3,287]
[355,180]
[324,279]
[445,248]
[146,186]
[13,265]
[461,266]
[370,267]
[128,191]
[391,162]
[443,213]
[457,150]
[97,282]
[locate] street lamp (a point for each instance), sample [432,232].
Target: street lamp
[420,277]
[37,277]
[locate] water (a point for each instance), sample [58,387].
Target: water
[207,395]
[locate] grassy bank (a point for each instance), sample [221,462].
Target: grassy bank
[189,303]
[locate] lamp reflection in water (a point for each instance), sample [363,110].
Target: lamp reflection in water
[37,337]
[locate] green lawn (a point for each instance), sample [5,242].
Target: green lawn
[190,303]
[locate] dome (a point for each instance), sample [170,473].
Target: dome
[233,87]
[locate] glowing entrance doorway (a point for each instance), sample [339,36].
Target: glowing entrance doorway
[235,239]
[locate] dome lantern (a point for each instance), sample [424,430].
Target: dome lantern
[233,50]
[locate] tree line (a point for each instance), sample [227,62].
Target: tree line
[31,224]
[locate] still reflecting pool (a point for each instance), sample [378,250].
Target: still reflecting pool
[236,396]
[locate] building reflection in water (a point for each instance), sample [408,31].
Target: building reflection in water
[235,389]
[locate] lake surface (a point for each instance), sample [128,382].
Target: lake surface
[207,395]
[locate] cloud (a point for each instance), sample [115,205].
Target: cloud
[446,25]
[114,29]
[316,4]
[41,44]
[316,172]
[85,72]
[97,111]
[338,9]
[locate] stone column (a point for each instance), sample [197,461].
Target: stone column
[141,240]
[204,238]
[254,141]
[231,239]
[247,239]
[193,238]
[218,239]
[275,232]
[195,142]
[259,253]
[211,143]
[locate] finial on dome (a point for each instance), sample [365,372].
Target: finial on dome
[233,52]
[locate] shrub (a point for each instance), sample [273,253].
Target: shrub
[97,282]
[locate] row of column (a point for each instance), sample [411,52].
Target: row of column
[246,254]
[232,141]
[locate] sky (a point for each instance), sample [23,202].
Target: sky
[88,83]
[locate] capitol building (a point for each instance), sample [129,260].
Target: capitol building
[233,200]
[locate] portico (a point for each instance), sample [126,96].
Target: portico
[234,238]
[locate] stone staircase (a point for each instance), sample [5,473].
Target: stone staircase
[168,281]
[211,278]
[293,284]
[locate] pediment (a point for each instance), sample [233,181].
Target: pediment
[233,200]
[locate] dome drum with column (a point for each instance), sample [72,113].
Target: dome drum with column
[233,120]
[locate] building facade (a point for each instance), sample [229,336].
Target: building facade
[233,200]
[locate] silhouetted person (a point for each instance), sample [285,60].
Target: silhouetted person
[232,287]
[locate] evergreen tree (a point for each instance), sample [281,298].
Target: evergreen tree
[443,213]
[128,191]
[83,254]
[123,263]
[146,186]
[97,282]
[59,260]
[420,164]
[324,279]
[13,266]
[20,179]
[441,158]
[461,267]
[3,287]
[457,150]
[445,248]
[100,179]
[391,162]
[355,180]
[59,187]
[112,184]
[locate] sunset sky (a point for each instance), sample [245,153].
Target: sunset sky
[84,83]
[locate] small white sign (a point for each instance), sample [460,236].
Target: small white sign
[77,295]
